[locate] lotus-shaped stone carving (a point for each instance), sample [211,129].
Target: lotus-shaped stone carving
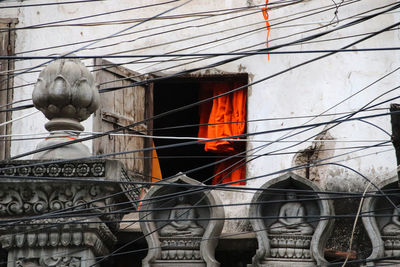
[66,94]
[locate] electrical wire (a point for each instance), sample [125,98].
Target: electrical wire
[352,1]
[239,88]
[50,4]
[374,49]
[320,27]
[210,140]
[108,36]
[274,25]
[47,24]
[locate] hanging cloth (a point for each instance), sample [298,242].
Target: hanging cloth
[223,117]
[230,170]
[155,170]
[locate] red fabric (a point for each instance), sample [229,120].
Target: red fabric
[225,116]
[266,17]
[229,171]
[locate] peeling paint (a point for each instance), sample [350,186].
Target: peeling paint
[316,151]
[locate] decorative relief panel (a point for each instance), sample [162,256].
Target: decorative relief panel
[87,169]
[70,169]
[53,261]
[290,246]
[91,210]
[60,232]
[175,248]
[37,198]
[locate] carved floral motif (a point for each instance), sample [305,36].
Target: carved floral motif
[60,261]
[392,246]
[180,248]
[290,246]
[39,198]
[53,261]
[64,232]
[89,169]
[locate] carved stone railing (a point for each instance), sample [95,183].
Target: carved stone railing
[62,213]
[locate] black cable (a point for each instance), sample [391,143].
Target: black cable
[86,17]
[126,152]
[261,28]
[308,196]
[229,11]
[211,54]
[197,142]
[315,135]
[208,42]
[165,182]
[195,61]
[232,18]
[109,36]
[308,165]
[239,88]
[314,36]
[50,4]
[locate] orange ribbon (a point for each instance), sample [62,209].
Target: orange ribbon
[266,16]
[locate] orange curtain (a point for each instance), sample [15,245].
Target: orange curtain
[155,170]
[228,171]
[224,117]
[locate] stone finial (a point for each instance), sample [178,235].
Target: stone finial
[65,93]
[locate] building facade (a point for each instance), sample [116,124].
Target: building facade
[309,108]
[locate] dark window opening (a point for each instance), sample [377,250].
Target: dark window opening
[175,93]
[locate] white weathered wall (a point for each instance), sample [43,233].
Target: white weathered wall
[307,90]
